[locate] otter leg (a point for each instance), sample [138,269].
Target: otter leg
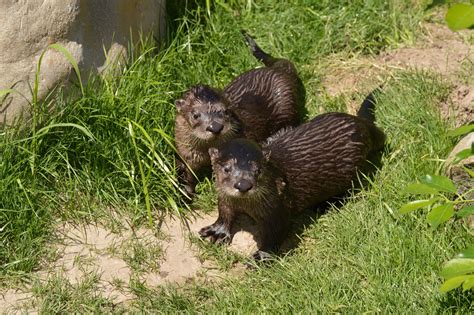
[219,231]
[274,228]
[186,177]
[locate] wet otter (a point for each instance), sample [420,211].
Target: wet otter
[254,105]
[295,169]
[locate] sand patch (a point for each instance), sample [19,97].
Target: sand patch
[89,249]
[180,262]
[12,299]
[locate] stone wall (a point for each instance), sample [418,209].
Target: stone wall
[94,32]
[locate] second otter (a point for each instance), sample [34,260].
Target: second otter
[254,105]
[296,168]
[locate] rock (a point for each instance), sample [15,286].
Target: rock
[464,143]
[458,174]
[84,27]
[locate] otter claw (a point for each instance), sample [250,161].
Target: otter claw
[221,238]
[261,256]
[206,231]
[216,233]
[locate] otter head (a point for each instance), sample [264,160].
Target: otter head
[205,111]
[240,169]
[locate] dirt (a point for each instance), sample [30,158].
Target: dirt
[93,249]
[440,51]
[13,298]
[460,105]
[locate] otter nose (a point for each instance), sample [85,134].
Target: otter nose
[215,127]
[243,185]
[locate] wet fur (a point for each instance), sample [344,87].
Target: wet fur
[321,158]
[258,102]
[293,170]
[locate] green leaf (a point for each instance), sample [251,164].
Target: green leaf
[467,253]
[471,173]
[71,60]
[440,214]
[457,267]
[452,283]
[464,154]
[58,125]
[173,204]
[225,6]
[464,212]
[420,189]
[4,92]
[468,283]
[461,130]
[460,16]
[208,7]
[440,183]
[417,204]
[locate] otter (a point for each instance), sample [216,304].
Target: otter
[293,170]
[254,105]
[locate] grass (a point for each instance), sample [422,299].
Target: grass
[359,257]
[60,296]
[142,255]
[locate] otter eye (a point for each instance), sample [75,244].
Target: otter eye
[226,168]
[196,115]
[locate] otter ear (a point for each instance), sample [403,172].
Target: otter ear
[180,103]
[214,154]
[266,155]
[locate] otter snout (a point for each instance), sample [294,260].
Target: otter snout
[215,127]
[243,185]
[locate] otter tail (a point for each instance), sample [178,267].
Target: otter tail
[367,112]
[257,51]
[367,108]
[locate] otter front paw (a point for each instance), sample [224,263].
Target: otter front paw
[261,256]
[217,233]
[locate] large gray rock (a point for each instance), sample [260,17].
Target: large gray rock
[86,28]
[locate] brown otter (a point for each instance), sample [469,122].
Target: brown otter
[254,105]
[295,169]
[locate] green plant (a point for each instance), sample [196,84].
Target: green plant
[440,204]
[23,219]
[441,208]
[459,271]
[105,149]
[460,16]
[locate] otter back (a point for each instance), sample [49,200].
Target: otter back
[321,158]
[297,168]
[254,105]
[265,100]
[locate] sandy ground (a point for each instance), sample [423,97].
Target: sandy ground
[88,249]
[93,248]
